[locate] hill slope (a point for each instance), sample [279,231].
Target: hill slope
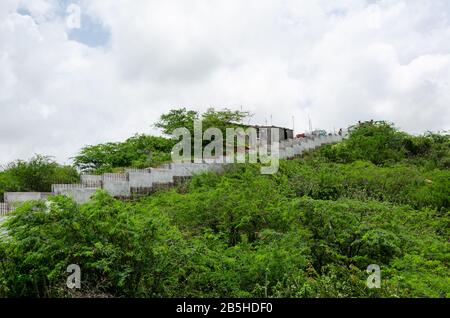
[311,230]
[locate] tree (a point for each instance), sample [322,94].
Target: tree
[177,118]
[139,151]
[222,119]
[37,174]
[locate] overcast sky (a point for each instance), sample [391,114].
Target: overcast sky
[335,61]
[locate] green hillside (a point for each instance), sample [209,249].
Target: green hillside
[379,197]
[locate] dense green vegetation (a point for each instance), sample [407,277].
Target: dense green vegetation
[182,117]
[139,151]
[37,174]
[143,151]
[380,197]
[382,144]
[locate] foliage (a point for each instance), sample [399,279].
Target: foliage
[400,184]
[37,174]
[121,250]
[382,144]
[380,197]
[307,248]
[221,119]
[177,118]
[139,151]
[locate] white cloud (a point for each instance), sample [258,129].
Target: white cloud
[337,61]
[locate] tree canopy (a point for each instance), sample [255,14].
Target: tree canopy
[36,174]
[382,144]
[139,151]
[221,119]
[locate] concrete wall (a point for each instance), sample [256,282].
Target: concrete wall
[19,197]
[116,184]
[147,181]
[117,188]
[79,195]
[91,181]
[181,169]
[159,175]
[63,188]
[147,170]
[218,159]
[298,149]
[290,152]
[216,167]
[4,208]
[140,179]
[189,169]
[112,177]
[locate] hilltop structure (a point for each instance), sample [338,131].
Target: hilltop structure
[283,133]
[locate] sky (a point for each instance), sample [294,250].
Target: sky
[64,85]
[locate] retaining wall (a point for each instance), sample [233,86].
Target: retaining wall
[140,179]
[147,181]
[4,208]
[117,188]
[91,181]
[19,197]
[79,195]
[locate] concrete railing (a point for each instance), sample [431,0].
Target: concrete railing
[146,181]
[12,198]
[4,208]
[60,188]
[91,181]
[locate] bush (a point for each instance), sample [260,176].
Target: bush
[122,250]
[139,151]
[382,144]
[400,184]
[311,230]
[37,174]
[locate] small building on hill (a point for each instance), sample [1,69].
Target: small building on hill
[283,133]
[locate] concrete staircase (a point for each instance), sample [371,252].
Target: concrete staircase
[138,182]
